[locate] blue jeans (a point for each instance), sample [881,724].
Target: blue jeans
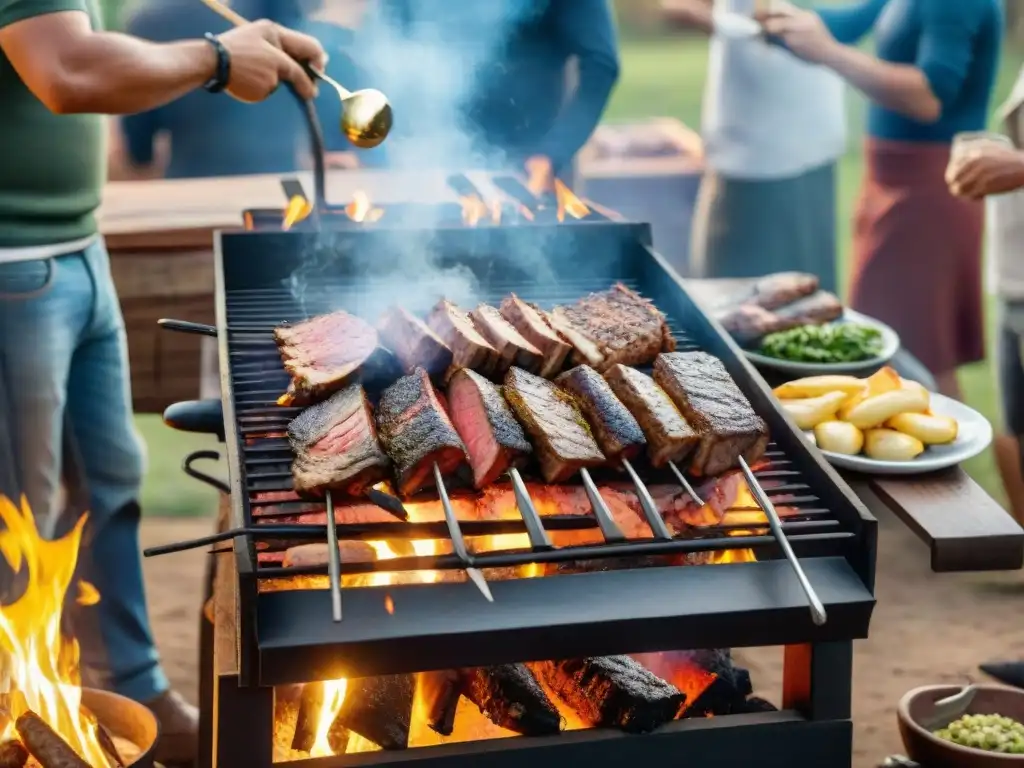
[64,381]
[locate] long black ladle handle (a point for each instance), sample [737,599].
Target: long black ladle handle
[185,326]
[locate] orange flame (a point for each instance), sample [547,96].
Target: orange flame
[298,209]
[361,210]
[473,210]
[539,175]
[568,203]
[39,667]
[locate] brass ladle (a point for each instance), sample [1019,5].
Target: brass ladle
[366,116]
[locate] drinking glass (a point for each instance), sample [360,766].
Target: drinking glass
[967,140]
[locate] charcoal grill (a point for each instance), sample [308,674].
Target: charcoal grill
[290,637]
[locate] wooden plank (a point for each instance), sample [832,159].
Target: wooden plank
[964,527]
[225,603]
[150,273]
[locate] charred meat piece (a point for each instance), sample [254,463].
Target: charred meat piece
[416,432]
[617,432]
[536,328]
[335,445]
[748,323]
[713,405]
[322,353]
[414,344]
[510,696]
[669,436]
[469,348]
[484,421]
[612,327]
[613,691]
[511,346]
[561,437]
[778,290]
[376,708]
[318,554]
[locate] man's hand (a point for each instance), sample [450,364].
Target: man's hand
[263,54]
[802,31]
[989,168]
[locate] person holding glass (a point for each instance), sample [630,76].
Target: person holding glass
[917,248]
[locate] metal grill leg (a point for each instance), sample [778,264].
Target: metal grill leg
[817,680]
[244,725]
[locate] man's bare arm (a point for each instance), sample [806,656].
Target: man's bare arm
[71,68]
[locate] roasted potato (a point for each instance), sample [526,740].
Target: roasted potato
[816,386]
[839,437]
[876,410]
[881,381]
[890,445]
[929,429]
[811,411]
[916,387]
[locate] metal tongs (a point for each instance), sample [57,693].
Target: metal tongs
[818,615]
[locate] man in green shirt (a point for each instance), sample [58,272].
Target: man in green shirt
[63,360]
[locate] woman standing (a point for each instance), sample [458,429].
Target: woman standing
[917,248]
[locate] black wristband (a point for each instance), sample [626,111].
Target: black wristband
[222,73]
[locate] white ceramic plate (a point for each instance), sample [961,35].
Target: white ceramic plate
[890,346]
[735,26]
[973,437]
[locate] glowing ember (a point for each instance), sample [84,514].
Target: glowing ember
[39,667]
[361,210]
[568,203]
[298,209]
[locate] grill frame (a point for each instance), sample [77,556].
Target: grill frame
[309,652]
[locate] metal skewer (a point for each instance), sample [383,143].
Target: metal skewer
[818,614]
[333,559]
[609,529]
[685,483]
[458,545]
[650,509]
[534,527]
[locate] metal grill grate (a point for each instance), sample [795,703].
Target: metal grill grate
[258,379]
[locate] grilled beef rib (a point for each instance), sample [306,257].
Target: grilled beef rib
[322,353]
[714,406]
[561,437]
[617,432]
[611,327]
[511,346]
[416,432]
[414,344]
[669,437]
[535,327]
[335,445]
[484,421]
[469,348]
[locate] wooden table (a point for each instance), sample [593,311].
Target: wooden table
[964,528]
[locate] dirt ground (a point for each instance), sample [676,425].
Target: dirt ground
[926,629]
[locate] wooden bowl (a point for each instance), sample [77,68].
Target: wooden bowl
[929,750]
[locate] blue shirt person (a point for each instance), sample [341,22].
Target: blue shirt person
[489,78]
[214,135]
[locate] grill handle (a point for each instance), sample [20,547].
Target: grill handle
[204,417]
[185,326]
[198,474]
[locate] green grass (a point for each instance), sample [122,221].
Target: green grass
[661,76]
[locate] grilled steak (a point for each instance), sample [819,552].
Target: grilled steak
[615,326]
[613,691]
[416,432]
[561,437]
[414,344]
[509,695]
[511,346]
[335,445]
[319,554]
[493,437]
[669,437]
[617,432]
[322,353]
[778,290]
[749,323]
[710,400]
[469,348]
[535,327]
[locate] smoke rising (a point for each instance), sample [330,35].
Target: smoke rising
[430,83]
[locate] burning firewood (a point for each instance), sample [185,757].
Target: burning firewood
[311,703]
[612,691]
[13,754]
[441,692]
[378,709]
[510,697]
[108,746]
[45,744]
